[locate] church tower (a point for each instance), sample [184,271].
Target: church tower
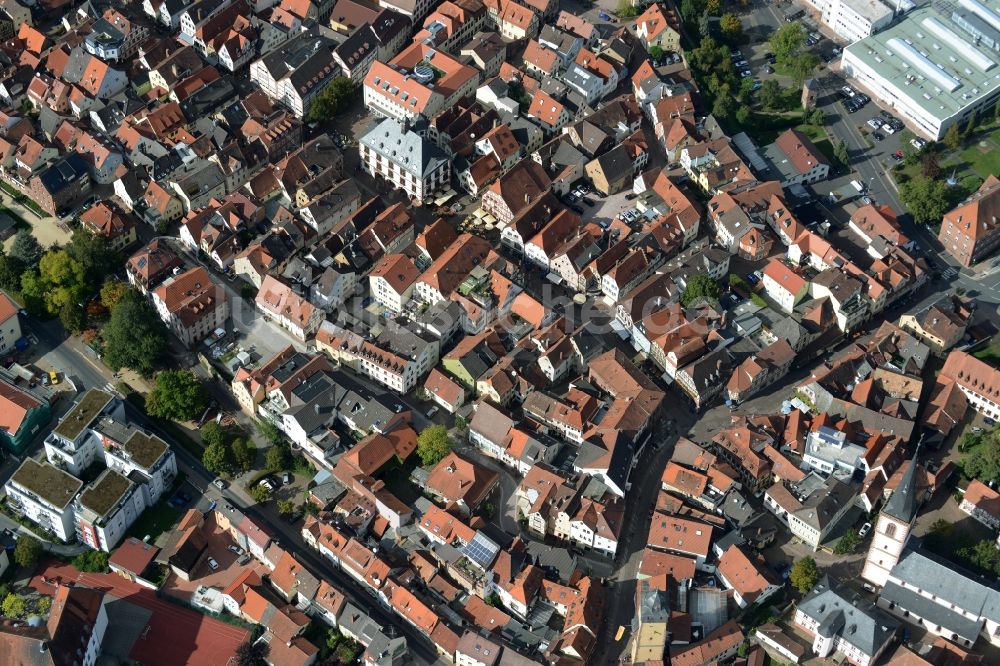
[892,529]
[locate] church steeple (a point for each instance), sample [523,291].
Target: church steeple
[892,529]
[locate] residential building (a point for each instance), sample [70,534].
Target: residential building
[44,494]
[970,232]
[10,323]
[23,413]
[419,82]
[391,281]
[73,633]
[942,325]
[191,305]
[979,381]
[659,26]
[289,310]
[796,159]
[982,503]
[462,483]
[840,621]
[106,508]
[300,70]
[783,285]
[747,576]
[811,507]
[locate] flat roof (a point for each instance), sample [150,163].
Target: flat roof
[83,414]
[144,449]
[48,482]
[873,10]
[932,60]
[104,493]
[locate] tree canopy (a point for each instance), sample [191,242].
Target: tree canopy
[983,460]
[27,551]
[276,459]
[927,199]
[26,248]
[788,45]
[804,575]
[215,458]
[700,287]
[331,100]
[178,395]
[433,445]
[252,654]
[731,27]
[135,337]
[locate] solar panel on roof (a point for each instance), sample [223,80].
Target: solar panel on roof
[481,550]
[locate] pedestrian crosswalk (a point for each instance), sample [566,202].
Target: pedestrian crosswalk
[111,388]
[949,273]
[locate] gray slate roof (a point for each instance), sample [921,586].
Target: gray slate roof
[414,154]
[844,613]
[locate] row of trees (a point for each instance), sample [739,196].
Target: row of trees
[225,451]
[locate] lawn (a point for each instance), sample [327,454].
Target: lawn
[155,520]
[984,160]
[764,128]
[990,354]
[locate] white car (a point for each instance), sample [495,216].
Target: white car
[432,411]
[918,143]
[873,123]
[212,564]
[888,129]
[865,529]
[848,90]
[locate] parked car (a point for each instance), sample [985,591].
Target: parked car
[865,529]
[53,377]
[432,411]
[874,123]
[220,484]
[588,201]
[752,279]
[576,209]
[848,91]
[918,143]
[212,564]
[232,548]
[888,129]
[268,483]
[286,478]
[878,136]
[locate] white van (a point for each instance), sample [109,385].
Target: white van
[858,185]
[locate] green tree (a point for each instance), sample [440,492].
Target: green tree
[656,53]
[625,9]
[286,507]
[33,293]
[65,280]
[26,249]
[713,7]
[929,166]
[724,107]
[348,651]
[983,462]
[705,25]
[847,543]
[787,41]
[700,287]
[269,431]
[95,255]
[178,395]
[214,458]
[746,90]
[770,95]
[984,555]
[816,117]
[461,424]
[252,654]
[690,10]
[94,561]
[27,551]
[804,574]
[276,459]
[43,605]
[72,318]
[926,199]
[433,445]
[14,606]
[11,269]
[737,282]
[841,153]
[212,433]
[801,68]
[743,114]
[731,27]
[134,337]
[260,494]
[244,454]
[331,100]
[970,127]
[112,292]
[953,138]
